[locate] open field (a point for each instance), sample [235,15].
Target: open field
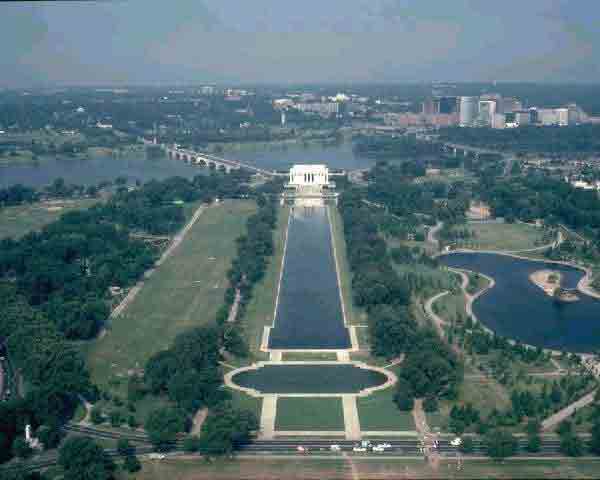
[308,356]
[245,402]
[503,236]
[259,312]
[334,468]
[451,307]
[185,292]
[483,393]
[301,413]
[21,219]
[354,315]
[379,412]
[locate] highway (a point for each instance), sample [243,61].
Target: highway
[404,448]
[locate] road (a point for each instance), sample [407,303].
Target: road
[404,448]
[566,412]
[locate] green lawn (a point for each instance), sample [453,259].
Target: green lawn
[354,314]
[296,413]
[379,412]
[245,402]
[259,312]
[483,393]
[337,467]
[308,356]
[451,307]
[186,291]
[19,220]
[503,236]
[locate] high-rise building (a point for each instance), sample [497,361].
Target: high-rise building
[487,110]
[522,117]
[553,116]
[468,111]
[431,106]
[510,104]
[448,105]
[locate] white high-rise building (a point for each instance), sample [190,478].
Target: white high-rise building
[487,110]
[468,111]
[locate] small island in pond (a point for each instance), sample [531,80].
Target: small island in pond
[549,281]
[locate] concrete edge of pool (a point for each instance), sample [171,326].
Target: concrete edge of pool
[391,378]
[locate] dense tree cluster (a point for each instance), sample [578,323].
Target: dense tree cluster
[225,429]
[66,269]
[17,194]
[539,196]
[151,208]
[392,185]
[431,368]
[395,147]
[529,139]
[52,367]
[83,459]
[188,372]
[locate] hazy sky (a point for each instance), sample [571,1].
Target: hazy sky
[272,41]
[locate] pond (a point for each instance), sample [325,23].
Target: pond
[310,379]
[518,309]
[309,313]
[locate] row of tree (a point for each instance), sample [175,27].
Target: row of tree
[431,369]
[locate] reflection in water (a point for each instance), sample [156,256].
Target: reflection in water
[516,308]
[309,314]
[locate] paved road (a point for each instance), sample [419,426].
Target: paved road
[566,412]
[405,448]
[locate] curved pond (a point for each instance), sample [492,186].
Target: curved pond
[310,379]
[518,309]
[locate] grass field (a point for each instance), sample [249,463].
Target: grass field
[186,291]
[354,315]
[19,220]
[451,307]
[245,402]
[259,312]
[297,413]
[483,393]
[340,468]
[379,412]
[308,356]
[503,236]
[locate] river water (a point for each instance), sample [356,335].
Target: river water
[136,166]
[309,313]
[516,308]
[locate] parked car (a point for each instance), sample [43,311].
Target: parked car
[384,445]
[335,448]
[378,448]
[359,449]
[457,442]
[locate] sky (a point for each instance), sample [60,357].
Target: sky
[153,42]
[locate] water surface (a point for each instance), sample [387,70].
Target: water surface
[517,308]
[309,379]
[309,313]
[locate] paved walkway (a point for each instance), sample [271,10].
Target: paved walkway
[177,239]
[198,421]
[267,417]
[351,421]
[566,412]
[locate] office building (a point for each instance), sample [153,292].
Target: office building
[487,110]
[468,111]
